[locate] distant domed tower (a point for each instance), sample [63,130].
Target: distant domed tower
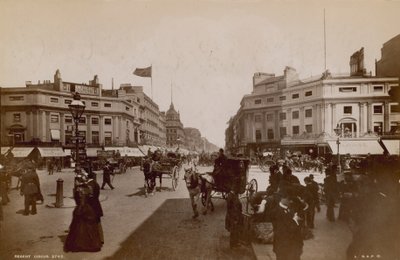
[57,79]
[175,133]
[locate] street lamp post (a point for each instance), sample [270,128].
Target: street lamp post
[77,107]
[338,132]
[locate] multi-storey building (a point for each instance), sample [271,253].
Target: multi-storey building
[389,64]
[40,112]
[152,121]
[163,129]
[289,113]
[174,126]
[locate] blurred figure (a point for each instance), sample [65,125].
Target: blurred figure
[288,240]
[30,188]
[331,191]
[4,177]
[234,218]
[107,172]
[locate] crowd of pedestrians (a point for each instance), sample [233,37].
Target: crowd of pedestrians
[368,199]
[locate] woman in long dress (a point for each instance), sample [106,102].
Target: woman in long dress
[84,233]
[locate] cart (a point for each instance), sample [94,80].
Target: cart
[234,175]
[168,168]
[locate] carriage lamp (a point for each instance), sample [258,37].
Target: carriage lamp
[338,132]
[77,107]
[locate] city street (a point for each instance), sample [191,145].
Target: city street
[135,227]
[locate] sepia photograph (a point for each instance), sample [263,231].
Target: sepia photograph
[200,129]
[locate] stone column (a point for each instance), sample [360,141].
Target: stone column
[121,126]
[277,134]
[316,119]
[361,119]
[114,128]
[323,119]
[365,120]
[252,134]
[301,117]
[335,121]
[264,127]
[386,121]
[28,136]
[101,129]
[89,129]
[328,119]
[62,128]
[289,120]
[34,124]
[369,117]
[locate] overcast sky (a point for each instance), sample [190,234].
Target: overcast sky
[207,50]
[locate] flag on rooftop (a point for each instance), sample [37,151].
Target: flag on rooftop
[143,72]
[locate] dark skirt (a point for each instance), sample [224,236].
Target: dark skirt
[84,232]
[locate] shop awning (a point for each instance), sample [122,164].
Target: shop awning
[21,152]
[51,152]
[4,149]
[393,146]
[113,148]
[131,152]
[92,152]
[353,147]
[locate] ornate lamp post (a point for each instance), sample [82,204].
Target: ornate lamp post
[76,108]
[338,132]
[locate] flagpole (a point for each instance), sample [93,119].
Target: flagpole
[324,40]
[151,80]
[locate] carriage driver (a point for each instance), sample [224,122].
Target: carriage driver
[218,167]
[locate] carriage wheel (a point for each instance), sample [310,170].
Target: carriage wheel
[174,178]
[251,191]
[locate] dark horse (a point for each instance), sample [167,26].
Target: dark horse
[196,186]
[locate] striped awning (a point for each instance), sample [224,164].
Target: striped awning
[21,152]
[392,146]
[354,147]
[51,152]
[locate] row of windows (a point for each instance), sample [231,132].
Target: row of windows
[172,131]
[282,98]
[95,137]
[348,110]
[54,118]
[283,132]
[310,93]
[282,115]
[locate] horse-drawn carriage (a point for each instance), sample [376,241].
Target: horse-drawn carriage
[232,176]
[168,167]
[265,160]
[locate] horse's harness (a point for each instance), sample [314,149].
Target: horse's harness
[193,182]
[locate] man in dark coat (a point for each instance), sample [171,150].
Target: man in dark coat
[107,172]
[218,168]
[311,198]
[288,240]
[234,218]
[331,192]
[30,188]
